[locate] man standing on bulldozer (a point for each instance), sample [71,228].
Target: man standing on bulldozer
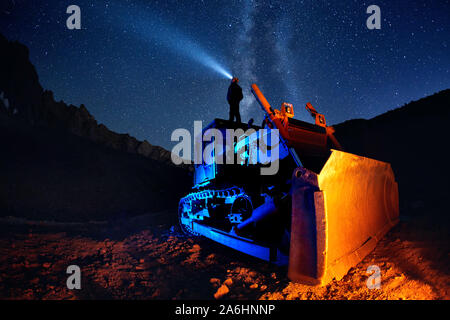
[234,96]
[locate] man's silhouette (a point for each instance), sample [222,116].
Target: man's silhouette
[234,96]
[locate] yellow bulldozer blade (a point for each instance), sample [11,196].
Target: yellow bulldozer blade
[339,215]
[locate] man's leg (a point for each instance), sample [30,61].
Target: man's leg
[238,115]
[231,112]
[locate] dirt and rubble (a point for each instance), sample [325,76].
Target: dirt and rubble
[128,260]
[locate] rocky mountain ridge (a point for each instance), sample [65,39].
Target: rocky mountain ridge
[22,96]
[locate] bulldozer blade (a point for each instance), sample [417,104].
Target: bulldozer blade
[339,215]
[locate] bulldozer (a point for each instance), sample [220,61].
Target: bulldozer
[320,213]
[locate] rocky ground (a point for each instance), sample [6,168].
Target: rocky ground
[128,260]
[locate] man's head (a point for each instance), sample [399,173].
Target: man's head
[235,79]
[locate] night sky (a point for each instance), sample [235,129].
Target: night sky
[149,67]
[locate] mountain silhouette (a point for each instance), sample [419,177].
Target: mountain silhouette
[414,139]
[58,163]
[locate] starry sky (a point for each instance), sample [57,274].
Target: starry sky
[149,67]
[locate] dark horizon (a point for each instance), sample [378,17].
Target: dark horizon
[143,69]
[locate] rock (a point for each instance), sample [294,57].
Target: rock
[145,148]
[195,248]
[228,282]
[223,290]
